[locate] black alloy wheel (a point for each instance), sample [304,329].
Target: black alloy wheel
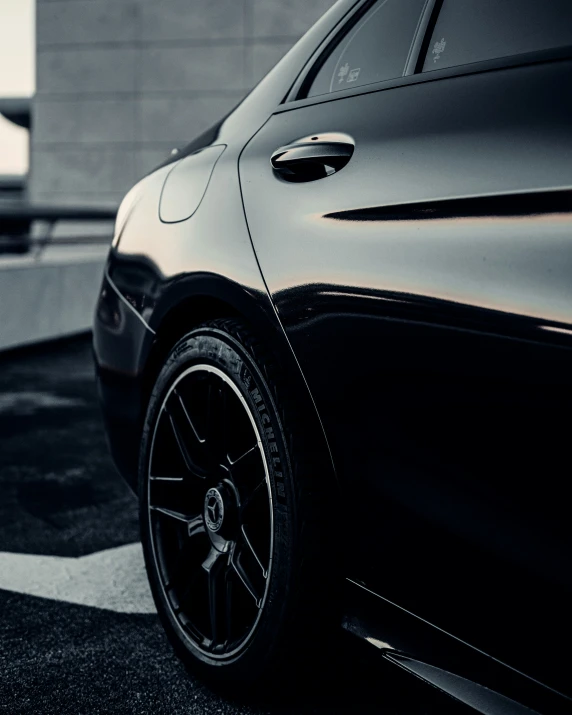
[210,510]
[230,536]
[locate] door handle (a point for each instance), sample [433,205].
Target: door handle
[313,157]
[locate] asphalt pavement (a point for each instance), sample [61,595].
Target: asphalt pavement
[78,629]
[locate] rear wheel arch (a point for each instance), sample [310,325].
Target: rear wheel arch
[180,319]
[204,297]
[214,297]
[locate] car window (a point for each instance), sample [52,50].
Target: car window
[474,30]
[374,50]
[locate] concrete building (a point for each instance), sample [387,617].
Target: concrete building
[16,110]
[122,82]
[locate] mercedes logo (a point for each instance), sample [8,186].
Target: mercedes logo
[214,509]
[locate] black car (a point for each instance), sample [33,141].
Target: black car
[333,345]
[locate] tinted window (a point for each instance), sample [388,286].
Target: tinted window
[474,30]
[374,50]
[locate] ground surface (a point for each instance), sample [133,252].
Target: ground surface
[78,632]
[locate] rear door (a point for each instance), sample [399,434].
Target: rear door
[417,245]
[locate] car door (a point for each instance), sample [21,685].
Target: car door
[414,232]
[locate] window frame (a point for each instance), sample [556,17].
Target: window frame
[412,73]
[304,81]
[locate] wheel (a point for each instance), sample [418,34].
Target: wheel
[233,538]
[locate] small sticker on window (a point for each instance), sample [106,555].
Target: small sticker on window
[344,69]
[353,74]
[438,49]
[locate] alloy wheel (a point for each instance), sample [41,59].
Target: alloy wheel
[210,511]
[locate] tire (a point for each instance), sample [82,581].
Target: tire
[270,554]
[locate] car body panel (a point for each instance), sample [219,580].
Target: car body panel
[425,290]
[428,277]
[189,178]
[399,636]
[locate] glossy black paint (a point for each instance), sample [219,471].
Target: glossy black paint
[425,291]
[408,640]
[419,300]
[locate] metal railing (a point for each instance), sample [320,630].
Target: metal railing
[18,217]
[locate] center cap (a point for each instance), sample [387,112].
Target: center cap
[214,509]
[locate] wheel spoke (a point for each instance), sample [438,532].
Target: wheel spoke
[253,552]
[190,445]
[182,495]
[194,523]
[228,608]
[217,422]
[183,564]
[244,455]
[188,418]
[180,442]
[244,578]
[167,492]
[247,501]
[248,476]
[195,526]
[215,566]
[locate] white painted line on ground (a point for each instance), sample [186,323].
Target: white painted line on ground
[114,579]
[24,403]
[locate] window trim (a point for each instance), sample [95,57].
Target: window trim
[321,54]
[427,17]
[557,54]
[412,73]
[422,36]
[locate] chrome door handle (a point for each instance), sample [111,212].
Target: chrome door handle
[313,157]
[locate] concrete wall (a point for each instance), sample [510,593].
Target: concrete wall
[50,296]
[122,82]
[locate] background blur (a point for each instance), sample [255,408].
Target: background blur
[119,83]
